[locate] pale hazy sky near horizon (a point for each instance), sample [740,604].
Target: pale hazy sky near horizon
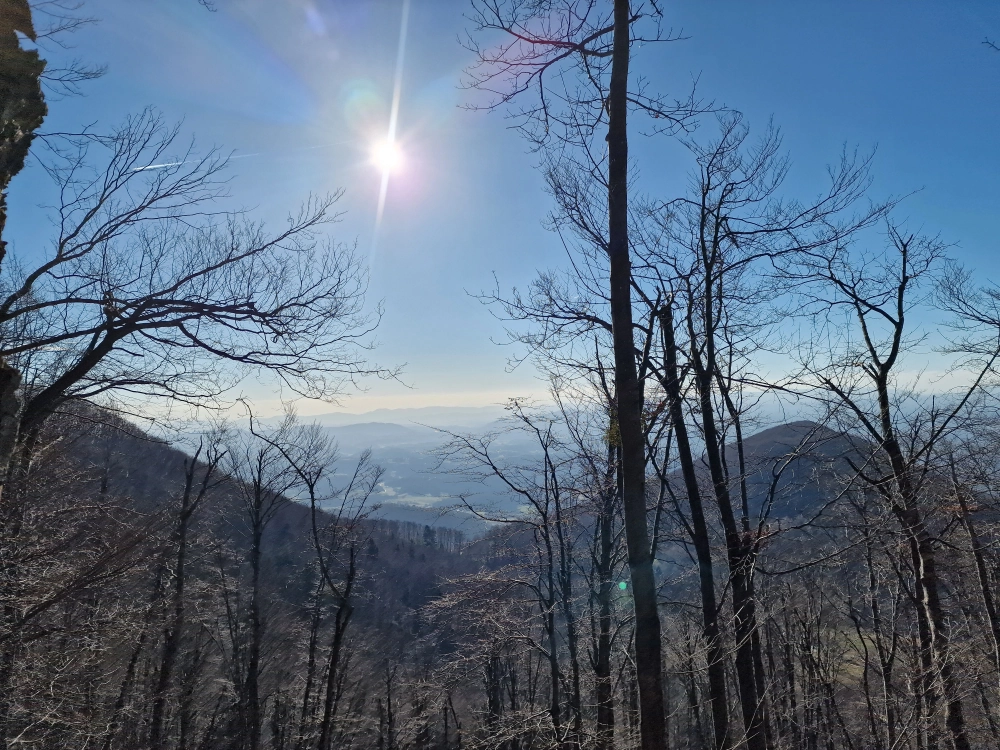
[299,89]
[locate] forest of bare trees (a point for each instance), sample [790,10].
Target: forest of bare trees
[751,516]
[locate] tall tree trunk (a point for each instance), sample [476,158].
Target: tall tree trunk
[886,655]
[341,621]
[252,715]
[738,545]
[315,620]
[719,702]
[555,678]
[983,576]
[187,703]
[602,662]
[931,618]
[171,643]
[565,575]
[174,625]
[629,391]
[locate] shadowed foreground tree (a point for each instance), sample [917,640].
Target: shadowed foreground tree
[151,290]
[23,108]
[22,111]
[149,284]
[22,103]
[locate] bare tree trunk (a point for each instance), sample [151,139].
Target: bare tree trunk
[886,656]
[174,626]
[983,575]
[696,729]
[649,661]
[738,547]
[317,616]
[565,574]
[494,692]
[718,700]
[341,621]
[602,662]
[931,619]
[188,688]
[252,713]
[555,678]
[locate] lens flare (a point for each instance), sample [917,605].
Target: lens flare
[387,156]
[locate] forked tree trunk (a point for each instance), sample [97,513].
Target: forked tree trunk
[932,621]
[739,547]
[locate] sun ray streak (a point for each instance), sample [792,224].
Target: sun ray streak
[397,86]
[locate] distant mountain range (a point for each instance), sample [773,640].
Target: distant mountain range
[405,443]
[417,487]
[446,417]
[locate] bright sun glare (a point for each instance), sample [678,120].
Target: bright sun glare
[387,156]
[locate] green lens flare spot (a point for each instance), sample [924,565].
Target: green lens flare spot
[622,585]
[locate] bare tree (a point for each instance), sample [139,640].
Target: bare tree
[192,496]
[148,283]
[900,432]
[549,583]
[574,56]
[22,77]
[311,455]
[706,274]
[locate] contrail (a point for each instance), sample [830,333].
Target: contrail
[160,166]
[397,85]
[166,164]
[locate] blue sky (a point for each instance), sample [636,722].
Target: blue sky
[299,89]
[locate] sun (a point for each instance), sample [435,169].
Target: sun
[387,156]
